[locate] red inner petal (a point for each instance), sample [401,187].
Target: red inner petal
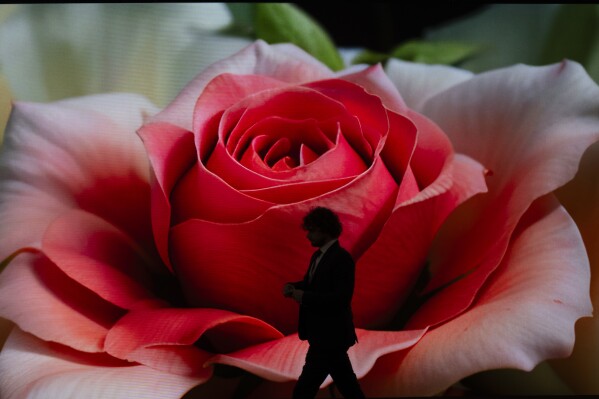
[277,151]
[298,132]
[201,194]
[296,192]
[307,155]
[331,160]
[365,107]
[171,151]
[315,106]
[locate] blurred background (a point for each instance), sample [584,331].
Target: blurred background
[53,51]
[386,23]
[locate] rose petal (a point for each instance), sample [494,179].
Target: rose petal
[337,167]
[42,300]
[202,195]
[315,105]
[419,82]
[388,270]
[431,152]
[367,108]
[374,80]
[282,62]
[278,152]
[533,141]
[224,91]
[54,153]
[171,153]
[164,338]
[527,154]
[282,360]
[399,145]
[529,308]
[219,264]
[37,370]
[297,192]
[101,258]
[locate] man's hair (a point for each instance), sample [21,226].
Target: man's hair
[323,219]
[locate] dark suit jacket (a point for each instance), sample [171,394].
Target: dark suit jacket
[325,316]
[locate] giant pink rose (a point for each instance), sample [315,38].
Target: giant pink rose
[142,264]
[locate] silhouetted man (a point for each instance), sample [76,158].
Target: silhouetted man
[325,316]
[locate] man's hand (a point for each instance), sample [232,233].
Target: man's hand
[288,290]
[297,295]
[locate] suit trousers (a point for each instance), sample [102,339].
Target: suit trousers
[321,362]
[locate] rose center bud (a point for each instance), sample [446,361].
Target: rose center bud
[280,144]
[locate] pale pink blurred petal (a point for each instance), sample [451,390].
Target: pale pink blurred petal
[530,147]
[42,300]
[524,315]
[33,369]
[55,154]
[497,117]
[419,82]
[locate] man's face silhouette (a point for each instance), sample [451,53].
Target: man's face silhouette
[317,237]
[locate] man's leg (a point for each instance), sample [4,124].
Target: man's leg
[344,376]
[313,374]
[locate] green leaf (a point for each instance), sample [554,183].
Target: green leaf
[428,52]
[510,34]
[285,23]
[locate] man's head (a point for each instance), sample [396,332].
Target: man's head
[322,225]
